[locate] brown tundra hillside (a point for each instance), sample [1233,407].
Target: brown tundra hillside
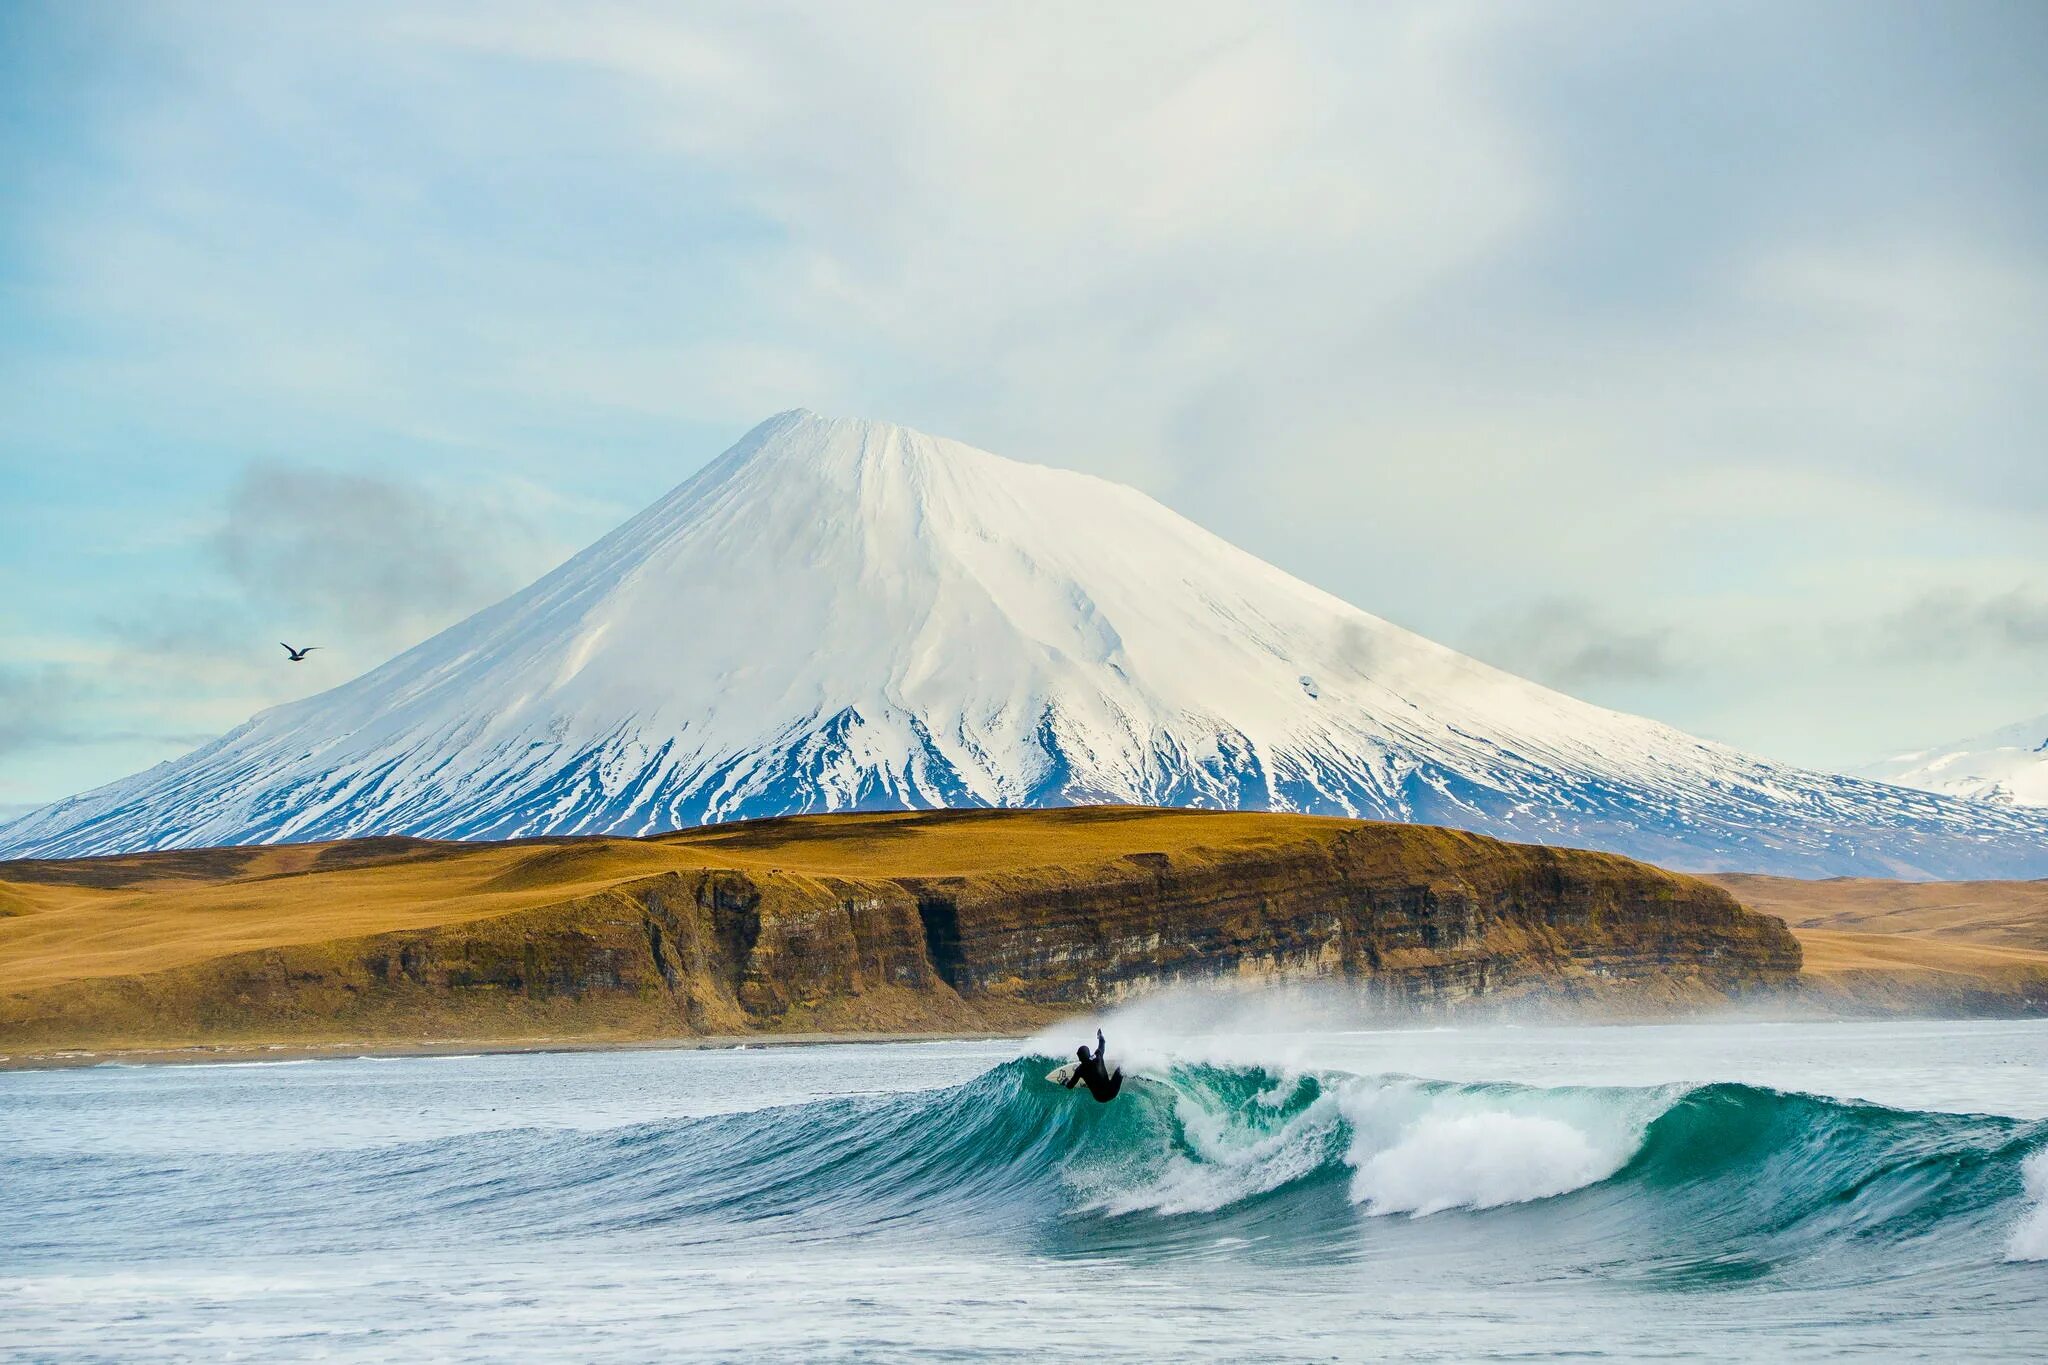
[894,922]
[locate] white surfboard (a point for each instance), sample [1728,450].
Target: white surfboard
[1060,1075]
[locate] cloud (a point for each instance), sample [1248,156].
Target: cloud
[1433,304]
[1569,644]
[368,555]
[360,564]
[57,705]
[1967,623]
[36,707]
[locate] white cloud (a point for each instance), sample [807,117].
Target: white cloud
[1457,309]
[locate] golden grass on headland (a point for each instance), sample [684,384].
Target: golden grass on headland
[1912,947]
[955,922]
[400,944]
[135,913]
[2001,914]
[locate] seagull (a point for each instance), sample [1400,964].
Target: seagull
[298,655]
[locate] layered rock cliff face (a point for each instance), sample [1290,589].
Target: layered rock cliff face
[900,922]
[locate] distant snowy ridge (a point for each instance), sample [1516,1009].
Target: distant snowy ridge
[2008,766]
[842,614]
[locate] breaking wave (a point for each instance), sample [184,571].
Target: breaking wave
[1717,1181]
[2030,1238]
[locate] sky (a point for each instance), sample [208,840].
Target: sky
[1690,358]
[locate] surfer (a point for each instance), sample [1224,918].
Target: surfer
[1089,1071]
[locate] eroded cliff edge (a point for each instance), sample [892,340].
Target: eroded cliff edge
[881,922]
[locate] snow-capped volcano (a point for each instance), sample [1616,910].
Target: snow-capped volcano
[839,614]
[2009,766]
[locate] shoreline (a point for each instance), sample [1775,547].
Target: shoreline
[203,1054]
[1809,1009]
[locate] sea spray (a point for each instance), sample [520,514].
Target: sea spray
[2030,1238]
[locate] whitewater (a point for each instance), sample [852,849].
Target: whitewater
[1260,1192]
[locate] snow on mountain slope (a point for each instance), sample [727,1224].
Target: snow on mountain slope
[2008,766]
[840,614]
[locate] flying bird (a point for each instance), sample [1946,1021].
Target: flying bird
[298,655]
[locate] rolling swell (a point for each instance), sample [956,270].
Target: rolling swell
[1678,1184]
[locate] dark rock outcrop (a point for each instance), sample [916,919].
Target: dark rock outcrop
[1416,918]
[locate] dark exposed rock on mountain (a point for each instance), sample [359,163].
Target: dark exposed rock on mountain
[848,615]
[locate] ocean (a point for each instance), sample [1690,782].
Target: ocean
[1259,1192]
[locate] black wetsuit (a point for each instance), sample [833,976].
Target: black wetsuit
[1102,1083]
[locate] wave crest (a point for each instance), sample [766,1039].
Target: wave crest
[1478,1160]
[2030,1238]
[1714,1180]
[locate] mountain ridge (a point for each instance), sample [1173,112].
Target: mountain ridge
[843,614]
[2008,765]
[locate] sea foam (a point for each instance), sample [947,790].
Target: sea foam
[1421,1151]
[2030,1238]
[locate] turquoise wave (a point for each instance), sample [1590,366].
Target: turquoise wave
[1712,1183]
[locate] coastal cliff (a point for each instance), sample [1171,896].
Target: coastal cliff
[898,922]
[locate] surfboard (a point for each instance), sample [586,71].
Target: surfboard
[1060,1075]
